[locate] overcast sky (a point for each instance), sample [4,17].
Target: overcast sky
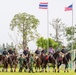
[8,8]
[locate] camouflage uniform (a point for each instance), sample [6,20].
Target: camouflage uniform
[31,63]
[21,59]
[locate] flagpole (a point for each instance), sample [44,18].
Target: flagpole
[44,5]
[72,27]
[73,35]
[68,9]
[47,28]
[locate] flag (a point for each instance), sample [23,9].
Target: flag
[69,8]
[43,5]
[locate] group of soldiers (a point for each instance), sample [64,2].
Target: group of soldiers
[28,59]
[26,54]
[38,52]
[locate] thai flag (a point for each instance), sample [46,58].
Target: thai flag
[69,8]
[43,5]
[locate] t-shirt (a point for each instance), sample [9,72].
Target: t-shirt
[5,52]
[51,50]
[10,51]
[20,60]
[43,51]
[25,52]
[63,51]
[37,52]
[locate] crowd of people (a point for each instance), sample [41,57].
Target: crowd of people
[26,53]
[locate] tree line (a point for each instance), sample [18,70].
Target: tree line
[26,25]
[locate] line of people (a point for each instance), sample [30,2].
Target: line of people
[29,58]
[50,51]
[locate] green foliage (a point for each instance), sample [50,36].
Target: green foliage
[27,25]
[70,32]
[42,42]
[74,45]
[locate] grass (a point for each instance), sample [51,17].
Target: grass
[71,72]
[24,73]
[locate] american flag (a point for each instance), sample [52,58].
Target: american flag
[69,8]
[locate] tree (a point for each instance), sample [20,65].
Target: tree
[25,24]
[42,42]
[70,32]
[59,28]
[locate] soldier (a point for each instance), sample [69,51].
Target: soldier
[20,63]
[31,63]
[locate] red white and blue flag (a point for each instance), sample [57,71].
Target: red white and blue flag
[69,8]
[43,5]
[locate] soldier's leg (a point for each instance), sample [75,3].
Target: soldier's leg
[31,68]
[21,67]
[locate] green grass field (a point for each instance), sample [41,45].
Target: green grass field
[24,73]
[71,72]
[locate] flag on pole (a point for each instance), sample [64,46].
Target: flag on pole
[43,5]
[69,8]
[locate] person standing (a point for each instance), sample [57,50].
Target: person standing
[20,63]
[31,63]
